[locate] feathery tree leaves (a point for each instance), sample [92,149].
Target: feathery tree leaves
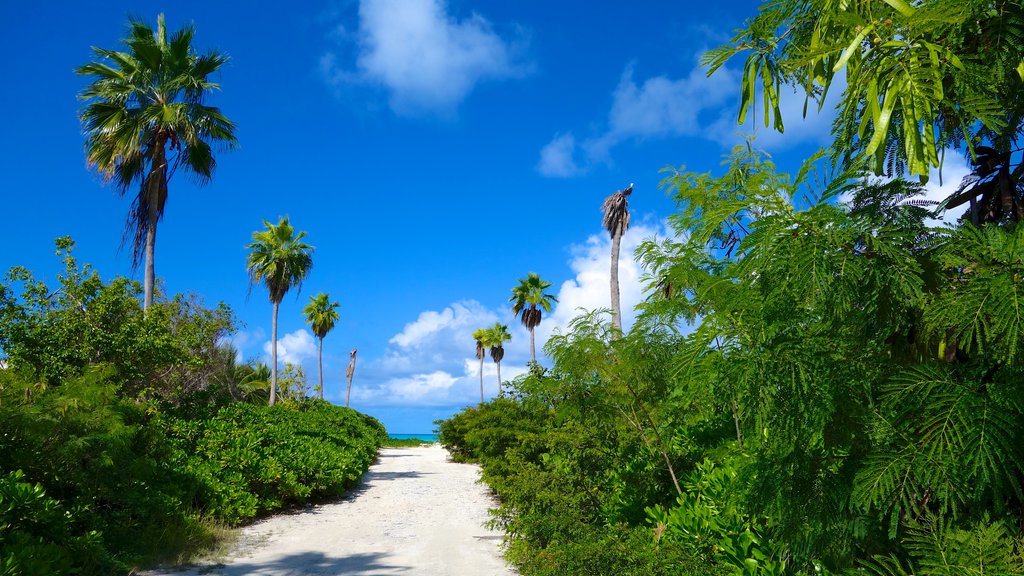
[920,77]
[145,118]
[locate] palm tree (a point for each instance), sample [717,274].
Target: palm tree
[496,338]
[480,336]
[616,222]
[321,314]
[528,299]
[145,118]
[279,259]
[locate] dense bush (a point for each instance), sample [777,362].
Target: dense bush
[848,397]
[121,444]
[251,459]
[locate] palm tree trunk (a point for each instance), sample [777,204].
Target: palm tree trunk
[320,365]
[533,350]
[481,380]
[273,355]
[616,307]
[150,273]
[499,378]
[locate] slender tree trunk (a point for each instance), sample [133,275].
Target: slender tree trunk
[157,179]
[320,365]
[273,356]
[481,380]
[350,371]
[499,377]
[150,273]
[616,307]
[533,349]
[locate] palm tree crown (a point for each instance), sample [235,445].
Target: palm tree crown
[528,300]
[495,337]
[280,260]
[145,118]
[321,314]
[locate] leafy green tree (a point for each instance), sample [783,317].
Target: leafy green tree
[321,314]
[480,336]
[280,260]
[616,222]
[55,332]
[921,77]
[495,337]
[528,300]
[145,118]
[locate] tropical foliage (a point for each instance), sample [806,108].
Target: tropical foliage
[818,382]
[145,118]
[122,441]
[280,260]
[920,77]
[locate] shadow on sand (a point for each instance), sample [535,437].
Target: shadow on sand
[311,563]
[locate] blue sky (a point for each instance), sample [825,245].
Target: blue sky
[434,151]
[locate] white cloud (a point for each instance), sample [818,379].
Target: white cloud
[955,168]
[695,106]
[293,348]
[557,157]
[591,288]
[456,320]
[426,59]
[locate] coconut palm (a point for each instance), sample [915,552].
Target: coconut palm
[496,337]
[528,300]
[616,222]
[280,260]
[480,336]
[321,314]
[144,119]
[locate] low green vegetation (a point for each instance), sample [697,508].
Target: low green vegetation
[405,442]
[818,383]
[130,437]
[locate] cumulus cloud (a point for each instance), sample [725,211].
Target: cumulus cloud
[293,348]
[424,57]
[694,105]
[557,157]
[590,288]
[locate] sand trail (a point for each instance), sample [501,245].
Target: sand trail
[415,514]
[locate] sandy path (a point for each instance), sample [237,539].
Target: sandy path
[415,514]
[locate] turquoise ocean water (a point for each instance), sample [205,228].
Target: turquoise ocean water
[424,437]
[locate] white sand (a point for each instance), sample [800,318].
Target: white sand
[415,514]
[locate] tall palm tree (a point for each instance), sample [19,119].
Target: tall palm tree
[279,259]
[616,222]
[496,338]
[321,314]
[144,119]
[480,336]
[528,299]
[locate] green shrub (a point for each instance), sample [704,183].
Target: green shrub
[249,459]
